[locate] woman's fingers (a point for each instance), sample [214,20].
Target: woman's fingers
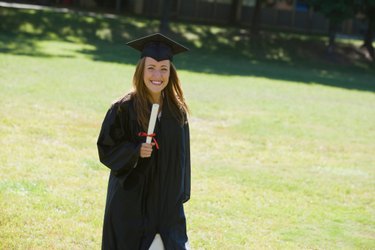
[146,150]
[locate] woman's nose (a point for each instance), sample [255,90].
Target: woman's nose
[157,73]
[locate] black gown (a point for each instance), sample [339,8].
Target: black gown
[145,195]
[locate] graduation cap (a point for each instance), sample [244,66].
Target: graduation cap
[157,46]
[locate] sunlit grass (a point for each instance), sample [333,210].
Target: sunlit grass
[277,164]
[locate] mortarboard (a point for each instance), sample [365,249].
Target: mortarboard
[157,46]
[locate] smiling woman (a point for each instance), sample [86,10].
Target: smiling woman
[147,187]
[156,76]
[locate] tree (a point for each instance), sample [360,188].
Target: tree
[335,11]
[256,17]
[118,6]
[255,21]
[367,8]
[236,7]
[165,13]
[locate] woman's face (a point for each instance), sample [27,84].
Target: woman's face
[156,75]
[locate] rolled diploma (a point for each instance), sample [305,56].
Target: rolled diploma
[151,123]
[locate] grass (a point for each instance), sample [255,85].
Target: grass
[282,149]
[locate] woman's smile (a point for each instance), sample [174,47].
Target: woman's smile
[156,82]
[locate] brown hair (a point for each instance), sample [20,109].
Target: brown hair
[173,95]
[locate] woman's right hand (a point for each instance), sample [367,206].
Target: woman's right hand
[146,150]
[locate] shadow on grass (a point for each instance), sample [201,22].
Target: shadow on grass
[216,50]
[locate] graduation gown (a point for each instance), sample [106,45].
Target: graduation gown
[145,195]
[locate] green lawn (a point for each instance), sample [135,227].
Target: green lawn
[282,147]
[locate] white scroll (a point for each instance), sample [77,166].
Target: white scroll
[151,123]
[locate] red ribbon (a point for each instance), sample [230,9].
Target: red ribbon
[144,134]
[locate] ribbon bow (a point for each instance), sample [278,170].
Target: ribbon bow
[144,134]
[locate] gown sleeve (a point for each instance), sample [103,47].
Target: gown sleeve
[187,181]
[116,151]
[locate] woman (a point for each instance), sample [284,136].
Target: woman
[148,183]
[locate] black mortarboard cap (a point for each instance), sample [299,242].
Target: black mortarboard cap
[157,46]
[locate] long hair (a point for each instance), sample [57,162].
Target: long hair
[141,96]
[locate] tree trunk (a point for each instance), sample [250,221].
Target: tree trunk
[369,36]
[255,22]
[332,36]
[118,6]
[236,11]
[164,21]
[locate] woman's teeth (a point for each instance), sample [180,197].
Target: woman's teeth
[156,82]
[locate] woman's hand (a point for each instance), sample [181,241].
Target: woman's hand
[146,150]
